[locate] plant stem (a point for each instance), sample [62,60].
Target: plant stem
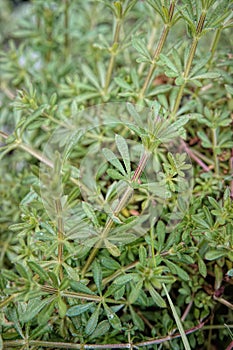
[224,302]
[202,156]
[62,345]
[112,277]
[214,45]
[66,25]
[231,173]
[7,300]
[60,235]
[81,296]
[157,52]
[38,155]
[189,63]
[216,161]
[122,202]
[194,157]
[113,55]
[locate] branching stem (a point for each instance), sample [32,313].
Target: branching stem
[157,52]
[189,63]
[113,55]
[121,204]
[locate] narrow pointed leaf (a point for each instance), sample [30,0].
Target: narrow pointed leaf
[124,152]
[77,310]
[112,158]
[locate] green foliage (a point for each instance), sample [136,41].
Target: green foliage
[109,236]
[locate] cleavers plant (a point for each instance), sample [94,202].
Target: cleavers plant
[116,174]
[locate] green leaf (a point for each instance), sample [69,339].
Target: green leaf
[21,269]
[33,308]
[112,248]
[112,318]
[179,80]
[215,254]
[166,61]
[134,113]
[90,213]
[93,321]
[209,75]
[137,320]
[1,343]
[174,268]
[112,158]
[31,118]
[123,84]
[229,89]
[214,203]
[142,255]
[119,293]
[110,263]
[178,321]
[140,46]
[115,175]
[39,270]
[80,287]
[161,232]
[201,266]
[97,275]
[40,330]
[123,279]
[156,296]
[124,152]
[205,141]
[102,329]
[78,309]
[46,312]
[135,291]
[62,307]
[91,76]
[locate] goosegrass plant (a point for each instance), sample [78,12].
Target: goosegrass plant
[116,174]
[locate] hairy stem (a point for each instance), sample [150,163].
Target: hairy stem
[113,55]
[189,63]
[214,142]
[66,25]
[214,44]
[121,204]
[157,52]
[62,345]
[195,157]
[60,235]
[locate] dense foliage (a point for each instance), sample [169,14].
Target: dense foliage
[116,174]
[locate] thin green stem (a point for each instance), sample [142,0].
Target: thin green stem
[112,277]
[214,142]
[224,302]
[121,204]
[81,296]
[61,345]
[189,63]
[60,235]
[113,52]
[214,44]
[38,155]
[202,156]
[66,25]
[7,300]
[157,52]
[194,157]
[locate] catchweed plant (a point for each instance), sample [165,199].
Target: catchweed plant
[110,237]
